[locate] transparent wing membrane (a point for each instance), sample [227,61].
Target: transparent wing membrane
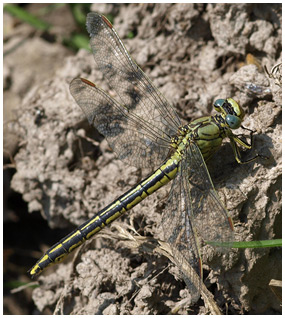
[180,233]
[193,210]
[134,88]
[210,217]
[132,138]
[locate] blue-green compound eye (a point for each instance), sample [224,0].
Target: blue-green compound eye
[219,103]
[233,121]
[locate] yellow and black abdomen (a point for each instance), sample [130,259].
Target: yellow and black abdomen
[159,178]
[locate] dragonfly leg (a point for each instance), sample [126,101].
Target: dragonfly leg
[237,140]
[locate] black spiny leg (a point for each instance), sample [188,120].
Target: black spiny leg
[234,140]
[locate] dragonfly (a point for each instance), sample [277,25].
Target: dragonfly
[144,130]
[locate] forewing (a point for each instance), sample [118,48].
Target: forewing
[135,90]
[132,139]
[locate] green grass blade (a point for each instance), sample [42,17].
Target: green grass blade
[78,41]
[79,11]
[27,17]
[252,244]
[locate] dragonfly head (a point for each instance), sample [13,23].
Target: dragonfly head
[231,111]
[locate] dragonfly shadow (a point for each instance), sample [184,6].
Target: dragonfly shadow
[223,165]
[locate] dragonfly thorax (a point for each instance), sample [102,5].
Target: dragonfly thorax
[181,133]
[208,132]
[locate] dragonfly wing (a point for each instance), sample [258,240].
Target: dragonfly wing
[194,209]
[130,137]
[211,218]
[134,89]
[180,232]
